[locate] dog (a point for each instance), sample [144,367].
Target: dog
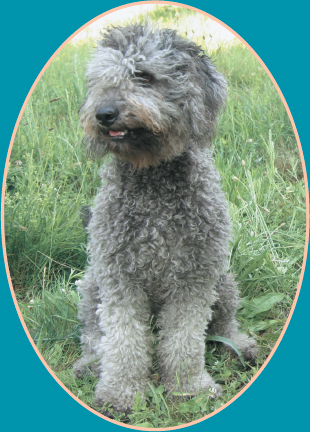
[160,228]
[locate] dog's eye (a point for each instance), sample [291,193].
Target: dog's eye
[181,69]
[144,77]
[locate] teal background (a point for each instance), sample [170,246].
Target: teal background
[31,32]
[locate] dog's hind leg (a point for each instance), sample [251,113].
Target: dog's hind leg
[91,334]
[223,321]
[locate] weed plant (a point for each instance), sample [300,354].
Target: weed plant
[49,180]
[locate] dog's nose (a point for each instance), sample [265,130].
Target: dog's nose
[107,116]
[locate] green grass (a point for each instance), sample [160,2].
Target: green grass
[49,180]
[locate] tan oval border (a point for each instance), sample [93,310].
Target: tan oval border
[307,218]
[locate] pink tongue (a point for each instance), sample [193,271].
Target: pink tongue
[115,134]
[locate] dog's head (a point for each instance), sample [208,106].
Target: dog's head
[150,94]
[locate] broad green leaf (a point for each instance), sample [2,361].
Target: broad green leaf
[262,303]
[75,297]
[273,337]
[160,389]
[262,325]
[190,406]
[227,342]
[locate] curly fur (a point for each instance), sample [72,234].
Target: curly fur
[160,229]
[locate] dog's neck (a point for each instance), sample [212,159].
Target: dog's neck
[180,166]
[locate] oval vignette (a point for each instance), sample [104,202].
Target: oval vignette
[306,196]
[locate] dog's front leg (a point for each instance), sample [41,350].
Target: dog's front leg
[182,322]
[125,350]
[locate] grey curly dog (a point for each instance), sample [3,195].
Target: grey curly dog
[160,228]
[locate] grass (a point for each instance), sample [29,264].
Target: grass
[49,180]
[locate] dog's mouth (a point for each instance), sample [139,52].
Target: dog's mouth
[124,134]
[139,146]
[118,134]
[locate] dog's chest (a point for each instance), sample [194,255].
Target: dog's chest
[151,228]
[167,227]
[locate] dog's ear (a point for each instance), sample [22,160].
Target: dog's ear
[212,82]
[207,90]
[208,98]
[214,85]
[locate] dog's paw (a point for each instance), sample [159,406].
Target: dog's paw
[120,396]
[246,344]
[86,365]
[193,386]
[250,350]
